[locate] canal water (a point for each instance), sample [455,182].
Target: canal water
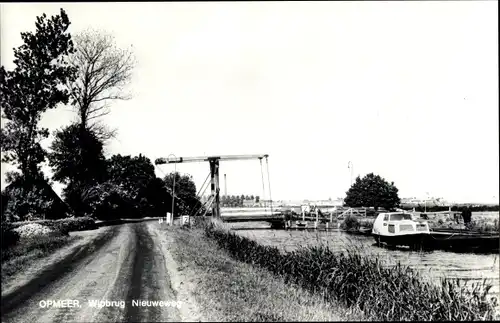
[433,265]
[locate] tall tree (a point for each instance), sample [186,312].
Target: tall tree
[77,156]
[185,191]
[156,200]
[125,192]
[133,174]
[77,160]
[104,70]
[32,88]
[372,191]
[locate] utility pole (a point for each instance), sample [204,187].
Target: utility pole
[173,187]
[225,185]
[351,167]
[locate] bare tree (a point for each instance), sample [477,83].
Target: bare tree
[104,71]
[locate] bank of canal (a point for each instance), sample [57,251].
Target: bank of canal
[432,264]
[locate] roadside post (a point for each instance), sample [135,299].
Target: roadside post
[169,218]
[186,221]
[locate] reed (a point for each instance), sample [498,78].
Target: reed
[363,282]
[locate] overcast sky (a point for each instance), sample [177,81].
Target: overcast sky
[407,90]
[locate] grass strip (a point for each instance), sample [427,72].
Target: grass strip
[362,282]
[230,290]
[17,257]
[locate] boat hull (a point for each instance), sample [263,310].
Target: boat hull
[462,241]
[411,240]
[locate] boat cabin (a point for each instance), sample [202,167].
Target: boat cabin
[398,223]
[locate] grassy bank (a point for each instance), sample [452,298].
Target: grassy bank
[362,282]
[17,257]
[27,241]
[230,290]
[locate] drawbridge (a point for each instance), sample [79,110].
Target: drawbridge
[213,202]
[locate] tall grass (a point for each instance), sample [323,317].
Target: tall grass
[362,282]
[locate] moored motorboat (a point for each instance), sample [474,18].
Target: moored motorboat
[399,229]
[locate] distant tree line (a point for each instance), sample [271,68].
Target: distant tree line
[237,201]
[374,191]
[458,208]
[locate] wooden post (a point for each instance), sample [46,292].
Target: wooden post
[214,186]
[217,189]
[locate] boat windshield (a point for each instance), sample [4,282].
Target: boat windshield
[400,216]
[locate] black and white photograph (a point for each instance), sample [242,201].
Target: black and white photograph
[253,161]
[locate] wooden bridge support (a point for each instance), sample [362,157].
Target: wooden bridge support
[214,185]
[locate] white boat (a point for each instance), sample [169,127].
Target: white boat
[398,228]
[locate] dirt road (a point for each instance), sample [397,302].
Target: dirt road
[130,268]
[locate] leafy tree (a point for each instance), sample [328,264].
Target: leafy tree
[33,87]
[77,160]
[372,190]
[185,191]
[156,200]
[103,72]
[26,202]
[77,156]
[107,201]
[257,199]
[131,173]
[33,199]
[3,204]
[124,194]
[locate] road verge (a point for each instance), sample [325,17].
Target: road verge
[40,273]
[225,289]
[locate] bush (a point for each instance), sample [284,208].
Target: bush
[482,227]
[366,223]
[63,226]
[350,223]
[109,201]
[44,244]
[9,236]
[364,282]
[78,224]
[35,229]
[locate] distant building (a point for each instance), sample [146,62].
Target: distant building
[428,202]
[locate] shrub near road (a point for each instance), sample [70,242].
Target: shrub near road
[361,282]
[24,242]
[64,225]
